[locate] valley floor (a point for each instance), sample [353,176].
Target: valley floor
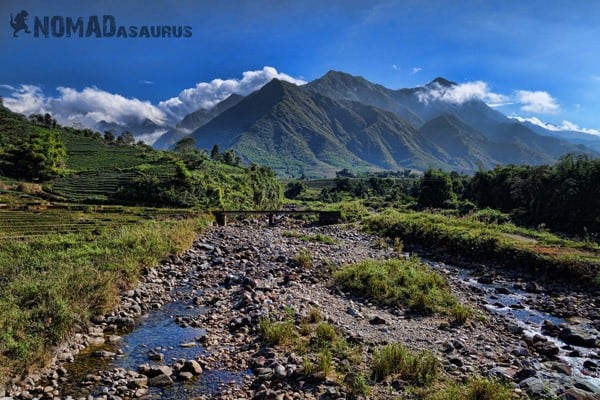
[241,281]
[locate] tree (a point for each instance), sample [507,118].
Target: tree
[214,153]
[435,189]
[294,189]
[41,156]
[185,145]
[109,136]
[126,138]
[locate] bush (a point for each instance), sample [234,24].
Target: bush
[302,259]
[353,211]
[461,313]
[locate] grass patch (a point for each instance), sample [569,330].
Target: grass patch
[542,253]
[476,389]
[404,283]
[302,259]
[420,369]
[276,332]
[52,282]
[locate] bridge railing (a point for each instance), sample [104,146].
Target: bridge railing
[325,217]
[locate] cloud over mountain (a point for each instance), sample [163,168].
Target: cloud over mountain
[88,106]
[537,102]
[91,105]
[207,94]
[460,93]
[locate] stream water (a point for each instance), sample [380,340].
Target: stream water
[159,331]
[508,300]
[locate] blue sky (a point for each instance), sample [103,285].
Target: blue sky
[533,59]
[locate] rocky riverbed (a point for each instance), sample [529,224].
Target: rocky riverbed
[190,328]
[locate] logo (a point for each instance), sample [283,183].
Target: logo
[19,23]
[94,26]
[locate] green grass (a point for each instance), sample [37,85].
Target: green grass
[302,258]
[402,283]
[276,332]
[52,282]
[316,237]
[539,252]
[420,369]
[475,389]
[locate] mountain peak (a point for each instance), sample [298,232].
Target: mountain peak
[441,82]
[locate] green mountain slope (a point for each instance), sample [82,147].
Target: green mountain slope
[85,167]
[296,131]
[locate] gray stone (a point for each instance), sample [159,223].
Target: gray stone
[192,367]
[185,376]
[160,380]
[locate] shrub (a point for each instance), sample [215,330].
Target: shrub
[326,333]
[325,361]
[356,384]
[461,313]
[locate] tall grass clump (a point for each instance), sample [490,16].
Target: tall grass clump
[419,369]
[404,283]
[476,389]
[276,332]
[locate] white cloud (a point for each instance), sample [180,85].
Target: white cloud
[91,105]
[462,93]
[207,94]
[27,99]
[565,126]
[150,138]
[146,82]
[9,87]
[537,102]
[415,70]
[395,67]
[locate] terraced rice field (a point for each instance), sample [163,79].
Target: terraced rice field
[84,155]
[25,223]
[98,185]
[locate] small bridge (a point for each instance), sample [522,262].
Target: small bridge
[325,217]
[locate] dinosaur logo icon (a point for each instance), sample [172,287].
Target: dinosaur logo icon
[18,23]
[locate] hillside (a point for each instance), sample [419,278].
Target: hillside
[296,131]
[81,166]
[341,121]
[194,121]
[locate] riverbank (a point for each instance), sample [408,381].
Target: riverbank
[235,277]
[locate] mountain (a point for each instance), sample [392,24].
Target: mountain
[193,121]
[139,128]
[297,131]
[426,103]
[587,139]
[343,86]
[200,117]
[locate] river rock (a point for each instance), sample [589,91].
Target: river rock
[191,366]
[578,394]
[160,380]
[579,336]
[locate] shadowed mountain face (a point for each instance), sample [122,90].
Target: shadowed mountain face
[343,121]
[193,121]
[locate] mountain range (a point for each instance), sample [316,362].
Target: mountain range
[343,121]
